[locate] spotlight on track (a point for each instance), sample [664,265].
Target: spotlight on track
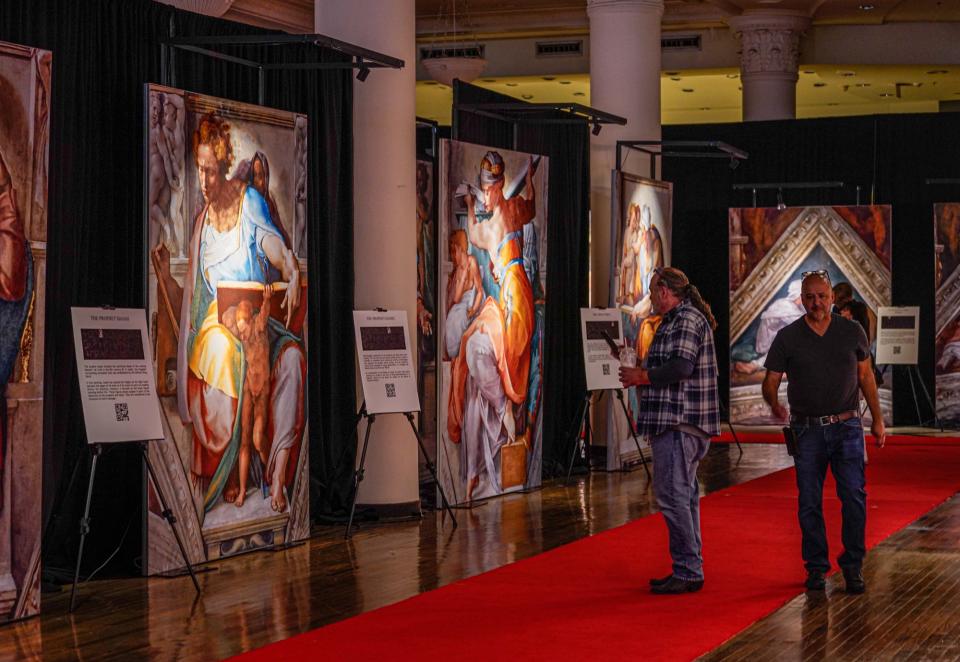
[596,129]
[362,72]
[780,204]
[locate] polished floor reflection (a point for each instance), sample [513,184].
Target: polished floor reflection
[256,599]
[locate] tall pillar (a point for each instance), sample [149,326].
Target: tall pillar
[625,81]
[384,178]
[769,57]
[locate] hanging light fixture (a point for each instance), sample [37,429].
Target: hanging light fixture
[208,7]
[455,58]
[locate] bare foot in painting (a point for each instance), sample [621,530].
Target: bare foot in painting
[278,500]
[471,486]
[230,493]
[241,495]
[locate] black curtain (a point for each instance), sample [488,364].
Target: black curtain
[568,251]
[104,51]
[888,156]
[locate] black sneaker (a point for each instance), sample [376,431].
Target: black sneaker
[661,581]
[815,580]
[675,585]
[854,581]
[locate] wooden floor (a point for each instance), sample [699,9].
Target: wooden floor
[911,608]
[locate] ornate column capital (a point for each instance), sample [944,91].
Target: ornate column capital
[769,42]
[595,7]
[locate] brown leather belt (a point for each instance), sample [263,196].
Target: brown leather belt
[829,419]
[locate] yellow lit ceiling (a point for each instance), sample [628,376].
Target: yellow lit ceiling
[713,95]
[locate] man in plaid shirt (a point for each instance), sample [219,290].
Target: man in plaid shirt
[679,411]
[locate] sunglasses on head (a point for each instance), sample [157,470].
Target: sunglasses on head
[822,273]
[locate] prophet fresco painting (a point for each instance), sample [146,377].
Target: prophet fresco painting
[770,249]
[946,218]
[24,134]
[493,257]
[226,215]
[641,243]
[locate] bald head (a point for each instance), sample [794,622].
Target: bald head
[816,297]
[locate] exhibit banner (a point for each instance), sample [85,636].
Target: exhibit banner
[597,325]
[946,220]
[898,335]
[24,147]
[427,306]
[493,259]
[770,250]
[226,215]
[386,363]
[115,372]
[642,214]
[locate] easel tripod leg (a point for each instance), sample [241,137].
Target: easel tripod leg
[168,515]
[633,432]
[930,402]
[358,474]
[84,524]
[581,414]
[432,468]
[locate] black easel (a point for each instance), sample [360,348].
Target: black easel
[913,372]
[358,474]
[97,451]
[733,432]
[583,421]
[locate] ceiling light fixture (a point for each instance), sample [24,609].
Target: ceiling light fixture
[866,7]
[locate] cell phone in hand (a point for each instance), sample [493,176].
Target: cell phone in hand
[614,347]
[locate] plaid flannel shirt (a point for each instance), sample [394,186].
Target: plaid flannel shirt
[685,333]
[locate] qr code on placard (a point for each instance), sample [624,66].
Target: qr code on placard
[391,390]
[896,349]
[122,411]
[606,369]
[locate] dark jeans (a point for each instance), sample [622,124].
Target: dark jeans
[841,447]
[675,459]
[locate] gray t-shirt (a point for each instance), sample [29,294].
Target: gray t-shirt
[821,370]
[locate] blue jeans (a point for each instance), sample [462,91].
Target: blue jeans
[841,446]
[675,459]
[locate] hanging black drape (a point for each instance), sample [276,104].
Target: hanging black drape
[891,155]
[104,51]
[568,252]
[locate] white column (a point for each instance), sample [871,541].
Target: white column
[625,81]
[384,177]
[769,57]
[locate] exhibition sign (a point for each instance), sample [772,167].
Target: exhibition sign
[641,242]
[898,335]
[946,218]
[226,215]
[599,364]
[24,147]
[386,364]
[770,250]
[114,368]
[493,262]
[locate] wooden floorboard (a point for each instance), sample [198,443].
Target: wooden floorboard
[909,612]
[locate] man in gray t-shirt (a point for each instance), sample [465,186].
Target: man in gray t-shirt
[827,361]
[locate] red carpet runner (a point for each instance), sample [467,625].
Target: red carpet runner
[590,597]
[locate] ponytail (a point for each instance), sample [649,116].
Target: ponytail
[678,283]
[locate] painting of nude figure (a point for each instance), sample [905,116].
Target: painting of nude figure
[227,302]
[492,269]
[24,133]
[770,250]
[642,216]
[946,217]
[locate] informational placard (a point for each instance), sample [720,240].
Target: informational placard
[898,335]
[115,371]
[386,363]
[599,364]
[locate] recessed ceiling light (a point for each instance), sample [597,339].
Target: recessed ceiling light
[688,90]
[511,84]
[672,73]
[819,84]
[862,85]
[564,82]
[809,72]
[674,77]
[527,96]
[548,77]
[429,82]
[833,103]
[705,108]
[846,74]
[937,72]
[866,7]
[733,76]
[887,94]
[579,94]
[489,80]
